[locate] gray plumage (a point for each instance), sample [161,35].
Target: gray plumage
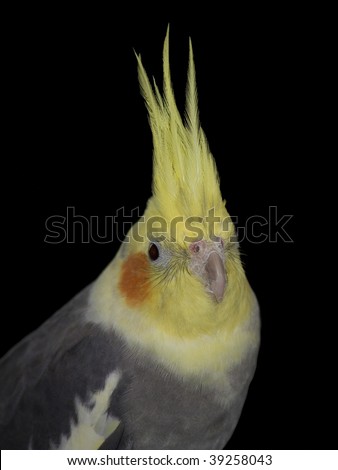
[68,357]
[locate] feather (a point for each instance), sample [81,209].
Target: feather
[185,178]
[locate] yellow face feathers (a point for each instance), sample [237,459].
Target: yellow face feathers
[185,179]
[194,259]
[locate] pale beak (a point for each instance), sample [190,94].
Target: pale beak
[207,263]
[215,275]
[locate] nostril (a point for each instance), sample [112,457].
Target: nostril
[197,246]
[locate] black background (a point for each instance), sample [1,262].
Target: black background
[79,137]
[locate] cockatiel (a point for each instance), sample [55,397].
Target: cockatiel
[159,351]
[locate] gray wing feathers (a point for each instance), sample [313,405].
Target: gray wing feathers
[41,376]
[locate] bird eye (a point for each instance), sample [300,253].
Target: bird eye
[153,252]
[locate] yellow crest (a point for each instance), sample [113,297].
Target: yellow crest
[185,178]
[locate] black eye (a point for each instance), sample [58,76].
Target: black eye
[153,252]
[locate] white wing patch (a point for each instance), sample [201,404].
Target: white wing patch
[93,423]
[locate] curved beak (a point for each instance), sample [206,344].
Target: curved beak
[207,262]
[215,275]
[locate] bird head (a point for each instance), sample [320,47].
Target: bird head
[180,265]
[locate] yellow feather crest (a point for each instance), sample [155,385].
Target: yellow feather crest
[185,178]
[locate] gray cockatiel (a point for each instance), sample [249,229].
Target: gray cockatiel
[159,352]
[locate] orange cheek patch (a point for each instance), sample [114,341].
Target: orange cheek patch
[134,281]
